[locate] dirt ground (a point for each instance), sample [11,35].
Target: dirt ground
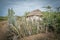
[41,36]
[3,29]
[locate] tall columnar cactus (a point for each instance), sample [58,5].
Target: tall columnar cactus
[12,22]
[11,18]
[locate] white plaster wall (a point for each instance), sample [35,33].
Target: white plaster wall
[36,18]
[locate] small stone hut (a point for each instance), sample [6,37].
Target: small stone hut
[36,17]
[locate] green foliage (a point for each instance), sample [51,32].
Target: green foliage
[52,18]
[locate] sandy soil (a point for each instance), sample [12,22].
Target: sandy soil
[39,36]
[3,29]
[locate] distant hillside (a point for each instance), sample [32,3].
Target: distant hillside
[3,18]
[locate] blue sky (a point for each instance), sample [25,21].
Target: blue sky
[22,6]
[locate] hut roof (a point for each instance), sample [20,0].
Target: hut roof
[36,12]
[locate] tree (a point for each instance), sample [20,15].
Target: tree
[48,19]
[58,9]
[48,8]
